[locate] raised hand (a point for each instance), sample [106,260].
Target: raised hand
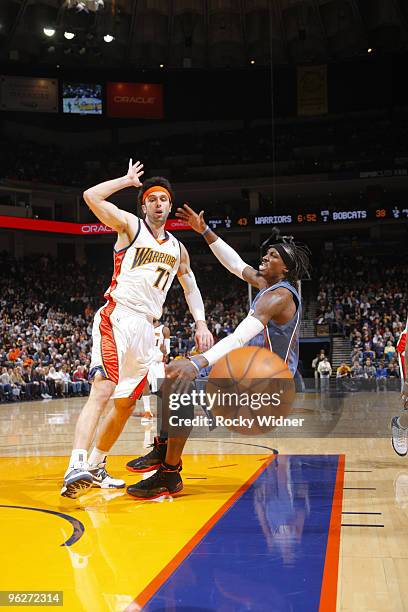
[188,215]
[134,172]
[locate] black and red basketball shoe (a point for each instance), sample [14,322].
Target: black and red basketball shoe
[165,482]
[151,461]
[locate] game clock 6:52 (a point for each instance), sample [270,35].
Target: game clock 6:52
[307,218]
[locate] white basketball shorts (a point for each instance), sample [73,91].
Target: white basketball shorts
[123,349]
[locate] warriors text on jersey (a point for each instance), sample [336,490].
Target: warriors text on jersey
[144,271]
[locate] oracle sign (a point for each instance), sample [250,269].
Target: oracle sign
[143,100]
[96,228]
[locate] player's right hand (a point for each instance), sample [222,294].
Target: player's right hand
[134,172]
[188,215]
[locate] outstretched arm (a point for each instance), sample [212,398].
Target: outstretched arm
[225,254]
[185,275]
[269,306]
[106,212]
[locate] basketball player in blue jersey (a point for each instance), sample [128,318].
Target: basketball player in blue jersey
[273,322]
[146,260]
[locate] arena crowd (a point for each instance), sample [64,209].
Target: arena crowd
[46,313]
[365,299]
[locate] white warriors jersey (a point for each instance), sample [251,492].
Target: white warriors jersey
[144,271]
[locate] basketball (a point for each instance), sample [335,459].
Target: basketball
[253,390]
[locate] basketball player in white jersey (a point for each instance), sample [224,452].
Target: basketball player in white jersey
[146,260]
[156,370]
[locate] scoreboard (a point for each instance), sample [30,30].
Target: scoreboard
[309,217]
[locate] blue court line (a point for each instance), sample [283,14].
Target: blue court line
[267,552]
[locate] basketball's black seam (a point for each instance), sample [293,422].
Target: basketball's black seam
[229,367]
[250,362]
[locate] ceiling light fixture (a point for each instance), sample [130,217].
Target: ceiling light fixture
[108,38]
[49,32]
[69,35]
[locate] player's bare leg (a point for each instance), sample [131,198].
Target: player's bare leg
[175,447]
[113,423]
[110,430]
[78,478]
[147,416]
[101,391]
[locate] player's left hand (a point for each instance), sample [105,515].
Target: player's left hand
[188,215]
[203,337]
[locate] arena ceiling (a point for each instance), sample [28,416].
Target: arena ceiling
[199,33]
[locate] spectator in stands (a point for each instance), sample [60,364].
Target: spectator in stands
[389,350]
[370,375]
[381,376]
[393,376]
[357,370]
[5,382]
[343,372]
[68,384]
[325,371]
[39,379]
[55,382]
[33,391]
[315,364]
[17,380]
[15,390]
[80,376]
[368,353]
[356,354]
[378,346]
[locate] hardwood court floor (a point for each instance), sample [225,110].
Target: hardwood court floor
[118,553]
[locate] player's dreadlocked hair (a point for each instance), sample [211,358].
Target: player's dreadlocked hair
[295,255]
[154,181]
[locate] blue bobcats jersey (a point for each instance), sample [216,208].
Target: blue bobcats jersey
[281,339]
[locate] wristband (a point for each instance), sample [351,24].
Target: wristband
[195,364]
[207,229]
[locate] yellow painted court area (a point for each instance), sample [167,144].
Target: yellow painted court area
[125,543]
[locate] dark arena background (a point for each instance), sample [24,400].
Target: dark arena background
[287,114]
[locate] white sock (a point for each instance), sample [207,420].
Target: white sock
[78,455]
[147,438]
[146,403]
[96,457]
